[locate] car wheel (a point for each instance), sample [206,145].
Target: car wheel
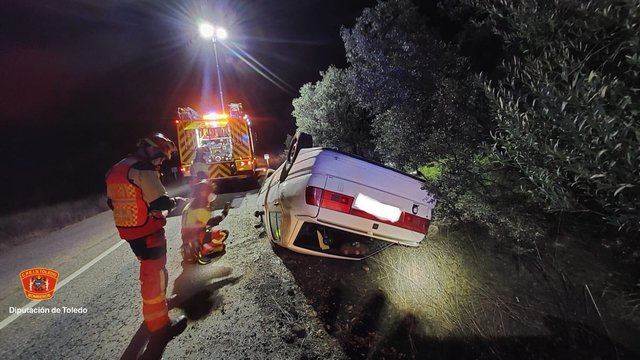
[300,141]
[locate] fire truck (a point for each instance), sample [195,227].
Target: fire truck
[216,146]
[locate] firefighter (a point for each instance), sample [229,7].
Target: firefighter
[199,167]
[138,199]
[200,240]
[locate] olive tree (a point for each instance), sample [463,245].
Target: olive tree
[329,112]
[567,110]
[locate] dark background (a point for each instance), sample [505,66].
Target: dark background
[81,80]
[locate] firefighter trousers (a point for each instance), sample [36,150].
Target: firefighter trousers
[151,251]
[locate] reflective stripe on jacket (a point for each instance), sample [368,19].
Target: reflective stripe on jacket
[130,210]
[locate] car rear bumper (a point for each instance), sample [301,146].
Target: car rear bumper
[319,240]
[366,227]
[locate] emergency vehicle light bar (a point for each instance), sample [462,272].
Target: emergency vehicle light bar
[206,124]
[215,116]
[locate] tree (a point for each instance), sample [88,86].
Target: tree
[428,108]
[419,93]
[567,109]
[329,112]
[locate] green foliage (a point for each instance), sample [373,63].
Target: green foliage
[419,93]
[480,191]
[417,102]
[432,171]
[562,111]
[428,107]
[567,109]
[328,111]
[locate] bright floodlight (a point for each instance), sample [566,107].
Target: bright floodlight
[221,33]
[206,30]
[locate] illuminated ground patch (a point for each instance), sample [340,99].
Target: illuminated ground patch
[433,282]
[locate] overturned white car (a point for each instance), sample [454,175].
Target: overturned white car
[329,203]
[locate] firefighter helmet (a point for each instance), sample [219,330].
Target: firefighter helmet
[203,188]
[160,142]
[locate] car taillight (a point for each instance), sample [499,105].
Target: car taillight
[336,201]
[328,199]
[313,195]
[414,223]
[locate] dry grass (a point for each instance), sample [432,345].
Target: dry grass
[462,285]
[452,288]
[432,282]
[20,226]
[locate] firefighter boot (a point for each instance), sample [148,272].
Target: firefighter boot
[173,329]
[159,339]
[203,259]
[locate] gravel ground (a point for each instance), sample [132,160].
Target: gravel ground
[257,311]
[244,305]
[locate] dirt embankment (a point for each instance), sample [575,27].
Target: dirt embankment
[459,296]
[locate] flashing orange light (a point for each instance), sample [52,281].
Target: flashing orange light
[177,121]
[214,116]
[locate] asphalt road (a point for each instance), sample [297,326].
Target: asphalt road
[244,305]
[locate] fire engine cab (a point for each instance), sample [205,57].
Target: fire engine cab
[215,146]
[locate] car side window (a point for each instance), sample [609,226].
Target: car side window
[275,221]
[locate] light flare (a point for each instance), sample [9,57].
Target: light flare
[206,30]
[258,70]
[221,33]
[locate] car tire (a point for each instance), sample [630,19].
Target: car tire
[300,141]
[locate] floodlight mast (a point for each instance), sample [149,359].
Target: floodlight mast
[209,32]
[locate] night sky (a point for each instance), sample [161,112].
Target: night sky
[83,79]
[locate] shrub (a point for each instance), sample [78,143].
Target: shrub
[567,109]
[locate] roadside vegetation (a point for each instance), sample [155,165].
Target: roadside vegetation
[27,224]
[18,227]
[523,118]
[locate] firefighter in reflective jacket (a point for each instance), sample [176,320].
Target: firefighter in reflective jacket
[201,241]
[138,200]
[199,168]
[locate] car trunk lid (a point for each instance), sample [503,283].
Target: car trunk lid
[379,201]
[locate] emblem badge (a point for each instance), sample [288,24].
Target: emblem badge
[39,283]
